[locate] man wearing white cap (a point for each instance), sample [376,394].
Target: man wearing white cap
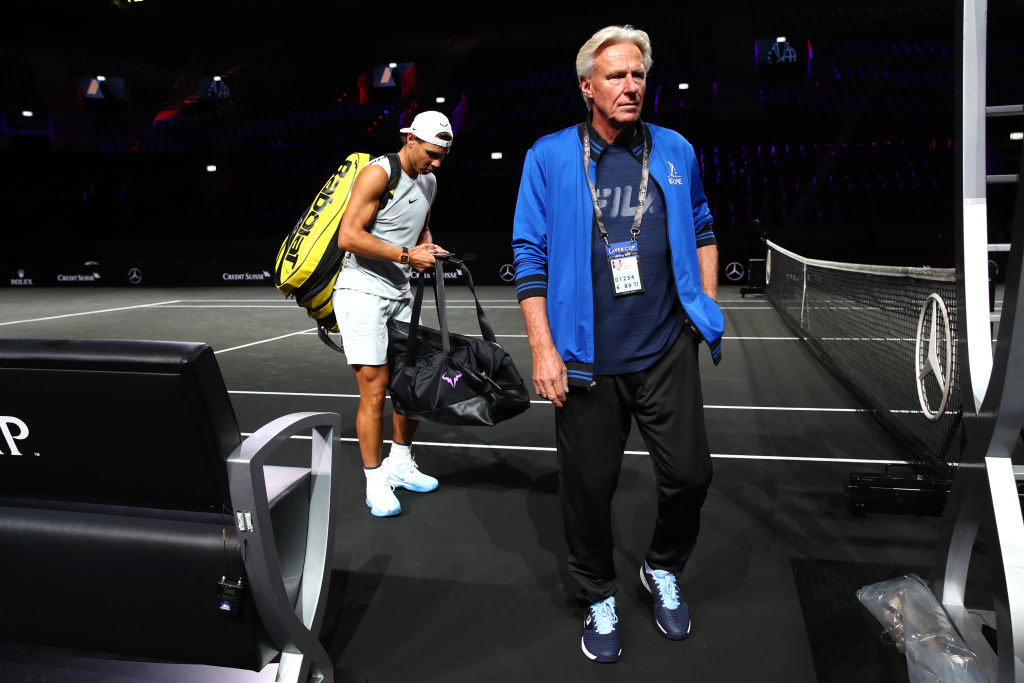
[373,287]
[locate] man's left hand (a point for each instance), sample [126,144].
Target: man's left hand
[421,257]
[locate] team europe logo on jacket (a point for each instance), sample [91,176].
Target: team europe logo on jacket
[673,176]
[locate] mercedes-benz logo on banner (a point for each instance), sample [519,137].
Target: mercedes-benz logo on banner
[507,272]
[933,354]
[134,276]
[734,271]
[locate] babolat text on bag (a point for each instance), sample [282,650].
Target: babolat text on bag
[309,259]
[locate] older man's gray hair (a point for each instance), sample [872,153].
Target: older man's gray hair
[611,35]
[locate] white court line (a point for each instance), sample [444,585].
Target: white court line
[293,393]
[290,302]
[287,306]
[727,338]
[552,449]
[865,461]
[761,338]
[872,339]
[309,331]
[791,408]
[287,393]
[263,341]
[706,405]
[523,336]
[105,310]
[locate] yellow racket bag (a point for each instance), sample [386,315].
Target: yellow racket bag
[309,259]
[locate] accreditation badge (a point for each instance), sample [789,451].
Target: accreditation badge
[624,262]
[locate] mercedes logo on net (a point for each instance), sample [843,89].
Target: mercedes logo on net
[135,276]
[934,353]
[507,272]
[734,271]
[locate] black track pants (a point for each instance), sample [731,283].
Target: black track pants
[591,431]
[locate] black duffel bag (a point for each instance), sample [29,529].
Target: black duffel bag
[451,378]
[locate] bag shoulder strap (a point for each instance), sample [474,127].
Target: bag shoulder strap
[393,177]
[440,302]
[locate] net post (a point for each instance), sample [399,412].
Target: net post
[986,497]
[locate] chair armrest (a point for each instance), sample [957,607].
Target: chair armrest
[294,629]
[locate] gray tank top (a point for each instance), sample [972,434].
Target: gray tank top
[399,223]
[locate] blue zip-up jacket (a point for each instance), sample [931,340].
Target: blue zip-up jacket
[553,229]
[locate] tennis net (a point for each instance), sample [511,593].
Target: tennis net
[889,334]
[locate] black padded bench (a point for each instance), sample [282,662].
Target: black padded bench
[136,522]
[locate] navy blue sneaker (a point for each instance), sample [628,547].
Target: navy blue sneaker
[600,637]
[670,612]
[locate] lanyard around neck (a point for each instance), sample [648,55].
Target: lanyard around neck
[645,164]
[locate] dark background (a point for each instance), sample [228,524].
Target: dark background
[849,153]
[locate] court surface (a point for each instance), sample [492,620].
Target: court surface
[469,583]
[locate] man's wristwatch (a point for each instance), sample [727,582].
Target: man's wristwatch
[405,255]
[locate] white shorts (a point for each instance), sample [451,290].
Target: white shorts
[363,320]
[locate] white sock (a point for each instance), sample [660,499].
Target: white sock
[374,474]
[400,454]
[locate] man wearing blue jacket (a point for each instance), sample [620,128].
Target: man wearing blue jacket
[616,273]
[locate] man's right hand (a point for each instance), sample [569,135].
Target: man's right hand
[550,377]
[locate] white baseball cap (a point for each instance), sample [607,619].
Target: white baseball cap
[428,125]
